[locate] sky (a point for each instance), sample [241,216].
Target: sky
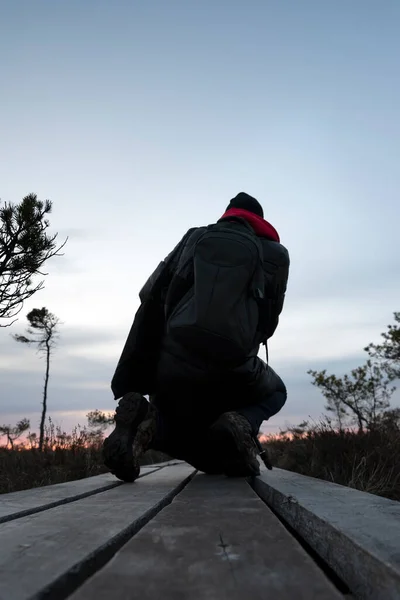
[141,119]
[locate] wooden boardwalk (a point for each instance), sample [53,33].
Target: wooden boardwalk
[179,535]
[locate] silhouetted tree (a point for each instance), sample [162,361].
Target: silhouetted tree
[32,439]
[297,431]
[43,331]
[24,248]
[362,396]
[388,352]
[13,433]
[389,420]
[98,418]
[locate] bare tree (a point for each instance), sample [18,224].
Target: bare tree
[13,433]
[24,248]
[43,333]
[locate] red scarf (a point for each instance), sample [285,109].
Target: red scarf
[261,226]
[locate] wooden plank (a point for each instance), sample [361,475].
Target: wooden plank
[48,554]
[216,541]
[357,534]
[167,463]
[26,502]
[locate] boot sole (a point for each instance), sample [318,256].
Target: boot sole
[235,458]
[134,429]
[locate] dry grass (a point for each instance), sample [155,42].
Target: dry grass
[367,461]
[66,457]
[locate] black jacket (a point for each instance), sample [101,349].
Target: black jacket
[151,362]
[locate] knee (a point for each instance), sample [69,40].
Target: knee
[280,398]
[276,385]
[277,397]
[281,389]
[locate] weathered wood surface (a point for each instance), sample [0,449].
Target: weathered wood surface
[167,463]
[216,541]
[357,534]
[20,504]
[48,554]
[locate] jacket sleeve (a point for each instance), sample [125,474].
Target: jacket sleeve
[160,279]
[276,274]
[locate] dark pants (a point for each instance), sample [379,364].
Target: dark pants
[185,416]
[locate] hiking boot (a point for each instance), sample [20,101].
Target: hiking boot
[235,446]
[135,427]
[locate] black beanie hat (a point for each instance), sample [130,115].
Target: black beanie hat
[246,202]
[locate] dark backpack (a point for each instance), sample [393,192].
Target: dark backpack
[217,293]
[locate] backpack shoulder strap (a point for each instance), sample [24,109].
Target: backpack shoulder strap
[173,258]
[163,274]
[240,220]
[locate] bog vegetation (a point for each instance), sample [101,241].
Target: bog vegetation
[356,442]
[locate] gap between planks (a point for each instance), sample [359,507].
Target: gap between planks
[48,555]
[9,502]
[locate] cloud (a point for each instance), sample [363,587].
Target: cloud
[77,382]
[80,383]
[323,164]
